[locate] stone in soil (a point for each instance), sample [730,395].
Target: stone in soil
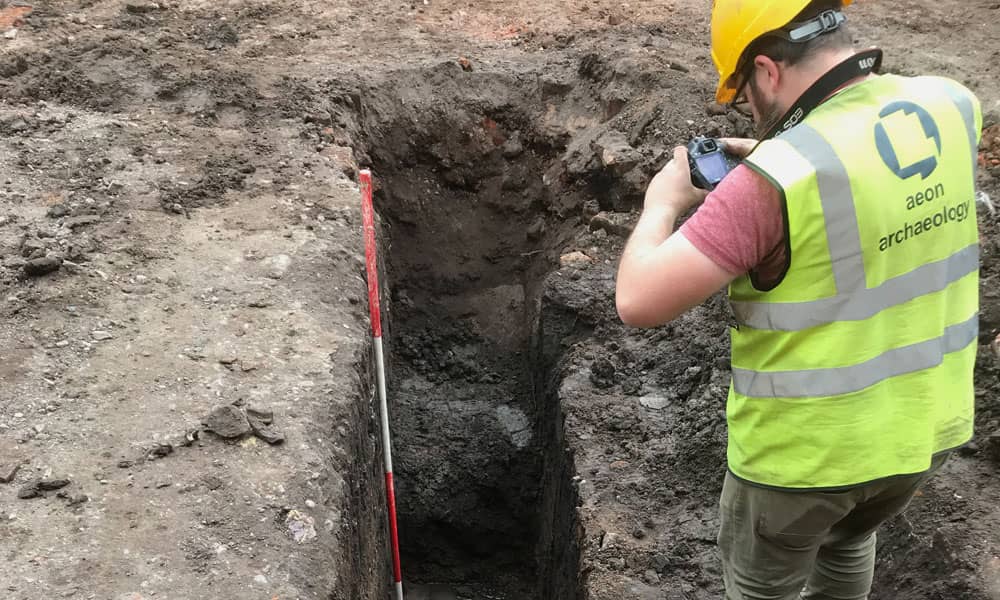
[602,373]
[42,266]
[612,223]
[37,487]
[58,210]
[278,265]
[75,222]
[159,451]
[8,471]
[301,527]
[654,402]
[260,423]
[227,421]
[73,500]
[139,7]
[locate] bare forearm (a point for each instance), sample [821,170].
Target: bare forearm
[661,274]
[655,225]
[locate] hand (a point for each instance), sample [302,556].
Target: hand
[738,147]
[671,188]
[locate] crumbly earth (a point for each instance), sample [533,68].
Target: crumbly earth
[179,230]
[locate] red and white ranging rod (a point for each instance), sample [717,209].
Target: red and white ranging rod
[371,265]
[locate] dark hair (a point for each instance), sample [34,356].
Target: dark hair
[779,49]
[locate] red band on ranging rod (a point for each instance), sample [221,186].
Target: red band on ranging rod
[371,262]
[390,488]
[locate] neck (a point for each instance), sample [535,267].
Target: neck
[805,74]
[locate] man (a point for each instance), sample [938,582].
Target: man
[849,243]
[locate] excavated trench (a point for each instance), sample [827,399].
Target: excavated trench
[482,181]
[474,222]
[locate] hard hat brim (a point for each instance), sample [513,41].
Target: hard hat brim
[725,93]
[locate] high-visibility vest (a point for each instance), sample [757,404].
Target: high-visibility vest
[858,365]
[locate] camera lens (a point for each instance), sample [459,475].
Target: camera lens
[709,146]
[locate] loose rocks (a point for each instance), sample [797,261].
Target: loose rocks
[37,488]
[232,422]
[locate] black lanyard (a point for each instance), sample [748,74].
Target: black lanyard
[859,65]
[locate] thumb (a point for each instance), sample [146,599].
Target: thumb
[739,147]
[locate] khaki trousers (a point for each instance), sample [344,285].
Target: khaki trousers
[779,545]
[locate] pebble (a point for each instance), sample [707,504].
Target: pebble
[660,562]
[278,265]
[612,223]
[575,259]
[609,540]
[101,335]
[714,109]
[138,7]
[37,267]
[654,402]
[58,210]
[77,222]
[301,527]
[8,471]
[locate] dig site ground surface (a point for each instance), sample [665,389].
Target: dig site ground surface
[185,383]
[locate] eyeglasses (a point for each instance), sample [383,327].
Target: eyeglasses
[741,103]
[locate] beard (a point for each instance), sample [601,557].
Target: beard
[770,116]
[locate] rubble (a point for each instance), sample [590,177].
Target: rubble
[36,488]
[232,421]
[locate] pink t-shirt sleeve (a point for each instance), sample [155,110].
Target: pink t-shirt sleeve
[740,226]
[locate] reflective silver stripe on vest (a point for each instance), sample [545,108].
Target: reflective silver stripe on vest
[842,235]
[818,383]
[864,304]
[964,104]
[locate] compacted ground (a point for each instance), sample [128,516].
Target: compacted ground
[185,383]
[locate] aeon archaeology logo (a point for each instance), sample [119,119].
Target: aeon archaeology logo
[904,136]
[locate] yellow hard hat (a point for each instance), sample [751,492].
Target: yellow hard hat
[738,23]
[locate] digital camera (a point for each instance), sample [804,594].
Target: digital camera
[708,162]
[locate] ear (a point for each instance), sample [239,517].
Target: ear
[770,72]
